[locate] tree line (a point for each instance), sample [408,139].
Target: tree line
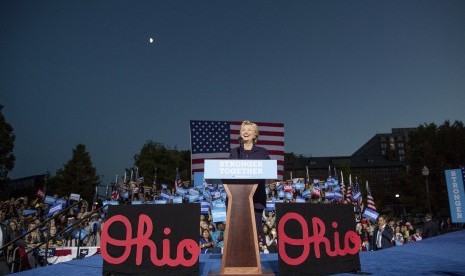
[439,147]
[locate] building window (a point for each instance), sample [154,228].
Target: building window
[392,144]
[383,152]
[383,146]
[401,158]
[400,145]
[401,152]
[387,186]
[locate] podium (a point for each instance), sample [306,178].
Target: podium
[240,179]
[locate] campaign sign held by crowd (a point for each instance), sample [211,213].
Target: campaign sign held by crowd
[317,239]
[151,240]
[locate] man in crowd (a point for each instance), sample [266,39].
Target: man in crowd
[382,235]
[430,228]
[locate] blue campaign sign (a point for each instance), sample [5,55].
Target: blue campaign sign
[270,206]
[370,214]
[456,193]
[49,200]
[306,193]
[198,180]
[219,215]
[177,199]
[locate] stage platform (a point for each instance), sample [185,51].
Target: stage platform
[442,255]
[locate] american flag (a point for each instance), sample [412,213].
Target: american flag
[349,190]
[370,202]
[214,140]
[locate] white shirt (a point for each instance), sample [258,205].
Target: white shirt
[1,237]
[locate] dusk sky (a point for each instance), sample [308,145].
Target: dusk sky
[334,72]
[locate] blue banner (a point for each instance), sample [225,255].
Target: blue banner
[198,180]
[55,208]
[204,207]
[370,214]
[180,191]
[300,186]
[357,196]
[456,193]
[270,206]
[177,199]
[49,200]
[219,215]
[300,200]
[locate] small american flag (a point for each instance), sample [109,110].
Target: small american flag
[370,202]
[214,140]
[349,190]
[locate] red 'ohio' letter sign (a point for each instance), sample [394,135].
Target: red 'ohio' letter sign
[151,239]
[317,239]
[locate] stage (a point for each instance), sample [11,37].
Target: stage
[442,255]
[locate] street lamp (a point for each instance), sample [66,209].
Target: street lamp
[425,173]
[398,210]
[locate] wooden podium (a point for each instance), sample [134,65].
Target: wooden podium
[240,251]
[241,255]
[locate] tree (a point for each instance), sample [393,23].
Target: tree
[438,148]
[77,176]
[155,156]
[7,140]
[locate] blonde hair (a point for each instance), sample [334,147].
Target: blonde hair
[255,129]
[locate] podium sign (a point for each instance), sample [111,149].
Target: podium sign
[240,169]
[240,179]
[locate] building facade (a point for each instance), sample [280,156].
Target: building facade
[380,161]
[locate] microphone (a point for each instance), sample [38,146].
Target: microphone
[241,147]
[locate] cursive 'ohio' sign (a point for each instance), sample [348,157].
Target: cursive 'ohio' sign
[317,239]
[151,240]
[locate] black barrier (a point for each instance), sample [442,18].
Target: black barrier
[317,239]
[151,240]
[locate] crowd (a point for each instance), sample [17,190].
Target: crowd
[39,229]
[45,230]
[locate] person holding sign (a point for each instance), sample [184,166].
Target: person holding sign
[249,150]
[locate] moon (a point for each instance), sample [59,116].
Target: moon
[151,40]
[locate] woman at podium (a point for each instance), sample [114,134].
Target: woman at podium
[249,150]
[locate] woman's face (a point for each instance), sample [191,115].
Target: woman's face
[206,234]
[13,225]
[247,133]
[265,229]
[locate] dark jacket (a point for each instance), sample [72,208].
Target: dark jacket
[256,153]
[386,239]
[430,229]
[8,236]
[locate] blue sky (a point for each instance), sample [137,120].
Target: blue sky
[334,72]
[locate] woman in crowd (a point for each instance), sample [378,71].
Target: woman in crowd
[206,244]
[269,219]
[398,237]
[272,241]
